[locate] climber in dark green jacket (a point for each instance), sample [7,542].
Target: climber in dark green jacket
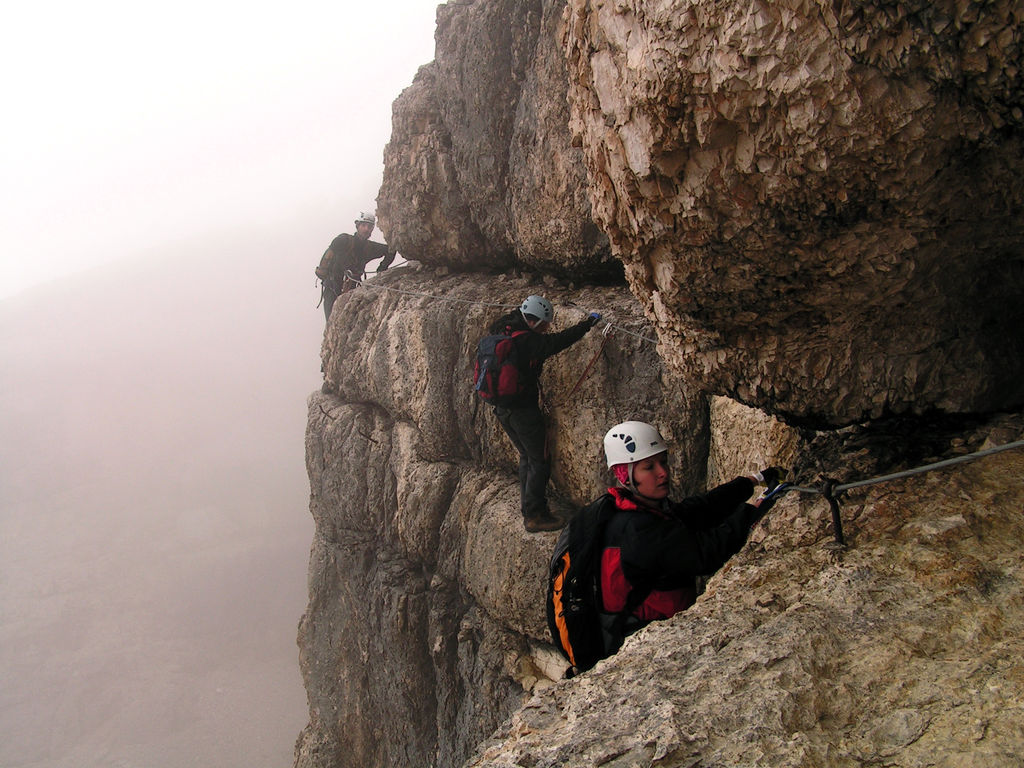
[345,260]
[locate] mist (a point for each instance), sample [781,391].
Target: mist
[154,530]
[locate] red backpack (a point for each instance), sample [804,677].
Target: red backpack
[497,374]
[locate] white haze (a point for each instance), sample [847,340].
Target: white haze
[169,176]
[155,530]
[128,125]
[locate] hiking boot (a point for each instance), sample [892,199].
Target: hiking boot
[545,522]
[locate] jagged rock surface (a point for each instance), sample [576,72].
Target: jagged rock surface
[818,206]
[820,203]
[903,650]
[421,205]
[790,186]
[425,628]
[480,172]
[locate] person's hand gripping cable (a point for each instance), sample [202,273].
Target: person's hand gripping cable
[773,479]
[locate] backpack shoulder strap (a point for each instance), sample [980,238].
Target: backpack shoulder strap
[615,625]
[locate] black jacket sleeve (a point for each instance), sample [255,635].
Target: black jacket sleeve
[368,250]
[541,346]
[386,260]
[374,250]
[706,510]
[666,553]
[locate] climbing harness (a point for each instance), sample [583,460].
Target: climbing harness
[830,489]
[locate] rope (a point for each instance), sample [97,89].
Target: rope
[830,489]
[631,333]
[349,277]
[917,470]
[607,333]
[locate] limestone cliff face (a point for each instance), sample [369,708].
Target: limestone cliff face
[425,629]
[790,186]
[817,210]
[425,624]
[480,172]
[793,187]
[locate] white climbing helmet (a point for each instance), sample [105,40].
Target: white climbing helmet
[632,441]
[539,307]
[366,218]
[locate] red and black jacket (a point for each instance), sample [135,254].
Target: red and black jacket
[664,551]
[534,348]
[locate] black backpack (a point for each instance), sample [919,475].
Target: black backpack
[497,376]
[580,629]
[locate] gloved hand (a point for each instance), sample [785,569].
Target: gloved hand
[595,318]
[770,476]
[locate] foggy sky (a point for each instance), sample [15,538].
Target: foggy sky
[154,529]
[169,177]
[131,125]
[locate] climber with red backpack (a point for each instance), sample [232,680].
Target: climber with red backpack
[507,376]
[634,556]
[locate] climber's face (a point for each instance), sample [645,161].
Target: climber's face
[651,477]
[536,324]
[363,229]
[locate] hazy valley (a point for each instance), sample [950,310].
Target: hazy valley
[153,522]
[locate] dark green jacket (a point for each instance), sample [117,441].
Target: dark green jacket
[349,254]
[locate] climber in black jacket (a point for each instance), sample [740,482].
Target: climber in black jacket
[659,547]
[521,418]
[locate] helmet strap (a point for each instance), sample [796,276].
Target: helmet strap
[624,474]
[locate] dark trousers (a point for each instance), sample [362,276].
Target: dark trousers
[525,428]
[329,297]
